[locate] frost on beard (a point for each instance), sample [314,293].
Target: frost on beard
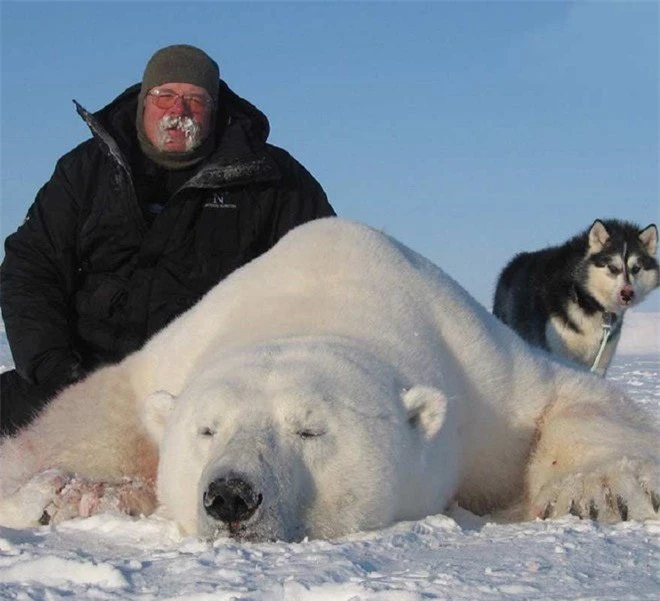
[190,128]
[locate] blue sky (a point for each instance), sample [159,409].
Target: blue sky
[468,130]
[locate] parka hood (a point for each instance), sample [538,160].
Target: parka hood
[118,117]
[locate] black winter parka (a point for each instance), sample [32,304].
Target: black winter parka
[87,279]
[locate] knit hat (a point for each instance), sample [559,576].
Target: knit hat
[179,63]
[182,64]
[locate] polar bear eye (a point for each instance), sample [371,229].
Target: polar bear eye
[206,431]
[306,433]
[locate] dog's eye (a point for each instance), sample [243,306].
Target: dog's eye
[206,431]
[635,269]
[614,270]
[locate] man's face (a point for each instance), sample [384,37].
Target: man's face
[177,116]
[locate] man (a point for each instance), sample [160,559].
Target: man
[175,190]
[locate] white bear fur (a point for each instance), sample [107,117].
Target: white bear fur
[355,384]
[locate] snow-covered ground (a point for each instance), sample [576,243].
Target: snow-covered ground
[456,558]
[640,334]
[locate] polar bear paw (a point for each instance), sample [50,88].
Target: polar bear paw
[54,496]
[627,489]
[27,506]
[84,498]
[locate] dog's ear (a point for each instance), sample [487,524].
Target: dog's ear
[598,236]
[649,238]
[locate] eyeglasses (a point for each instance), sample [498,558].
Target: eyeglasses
[166,99]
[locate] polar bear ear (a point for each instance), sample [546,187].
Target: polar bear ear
[156,410]
[427,409]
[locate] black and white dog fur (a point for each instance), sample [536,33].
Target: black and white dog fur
[570,299]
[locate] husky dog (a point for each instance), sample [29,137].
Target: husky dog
[570,299]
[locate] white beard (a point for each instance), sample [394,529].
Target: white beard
[191,129]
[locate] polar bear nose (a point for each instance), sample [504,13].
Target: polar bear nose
[231,500]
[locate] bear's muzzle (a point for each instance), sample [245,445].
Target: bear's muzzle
[231,500]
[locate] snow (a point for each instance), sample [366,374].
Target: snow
[457,557]
[640,334]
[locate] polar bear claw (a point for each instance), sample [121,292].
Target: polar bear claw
[625,489]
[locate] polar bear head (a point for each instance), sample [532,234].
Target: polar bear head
[301,438]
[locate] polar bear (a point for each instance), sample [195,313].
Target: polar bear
[340,382]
